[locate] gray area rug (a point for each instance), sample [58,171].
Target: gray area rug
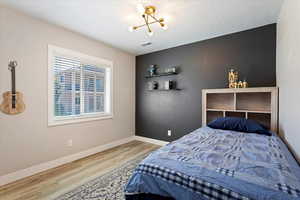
[109,186]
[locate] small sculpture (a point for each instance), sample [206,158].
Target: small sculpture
[152,70]
[153,85]
[245,84]
[169,85]
[233,77]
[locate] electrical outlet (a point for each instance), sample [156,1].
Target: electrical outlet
[169,133]
[70,143]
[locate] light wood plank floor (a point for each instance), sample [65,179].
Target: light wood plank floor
[58,180]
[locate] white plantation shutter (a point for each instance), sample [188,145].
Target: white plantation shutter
[67,86]
[78,89]
[94,84]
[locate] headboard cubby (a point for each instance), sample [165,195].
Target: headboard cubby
[259,104]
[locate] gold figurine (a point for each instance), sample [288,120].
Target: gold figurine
[233,77]
[245,84]
[240,84]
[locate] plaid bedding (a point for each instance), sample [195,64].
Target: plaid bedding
[209,190]
[219,165]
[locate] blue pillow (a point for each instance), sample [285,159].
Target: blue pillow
[238,124]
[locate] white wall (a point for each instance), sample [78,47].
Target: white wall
[25,139]
[288,72]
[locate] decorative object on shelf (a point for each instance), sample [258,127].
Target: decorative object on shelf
[12,100]
[169,85]
[171,70]
[240,84]
[152,70]
[153,85]
[148,13]
[233,77]
[245,84]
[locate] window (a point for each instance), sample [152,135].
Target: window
[80,87]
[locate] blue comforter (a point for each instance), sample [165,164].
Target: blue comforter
[218,164]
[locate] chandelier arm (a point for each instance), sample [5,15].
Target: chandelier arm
[147,23]
[140,26]
[152,22]
[156,20]
[147,16]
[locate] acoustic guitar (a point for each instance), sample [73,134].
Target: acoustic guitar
[12,100]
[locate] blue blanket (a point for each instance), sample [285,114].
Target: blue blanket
[219,164]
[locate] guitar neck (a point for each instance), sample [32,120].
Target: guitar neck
[13,81]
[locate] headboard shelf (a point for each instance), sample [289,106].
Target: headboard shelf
[259,104]
[235,114]
[221,101]
[248,111]
[253,101]
[264,119]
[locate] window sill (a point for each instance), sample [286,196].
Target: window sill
[79,119]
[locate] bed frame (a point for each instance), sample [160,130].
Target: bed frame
[259,104]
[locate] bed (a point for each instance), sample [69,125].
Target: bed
[218,164]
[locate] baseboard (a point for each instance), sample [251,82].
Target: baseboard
[9,178]
[150,140]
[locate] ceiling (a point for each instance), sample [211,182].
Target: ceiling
[188,20]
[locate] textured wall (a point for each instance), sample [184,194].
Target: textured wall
[25,139]
[203,65]
[288,72]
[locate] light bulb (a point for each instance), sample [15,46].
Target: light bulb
[164,26]
[150,33]
[130,29]
[140,8]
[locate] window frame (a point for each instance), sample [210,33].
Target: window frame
[108,89]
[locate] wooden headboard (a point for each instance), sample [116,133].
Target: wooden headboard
[259,104]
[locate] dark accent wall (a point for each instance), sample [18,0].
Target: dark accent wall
[202,65]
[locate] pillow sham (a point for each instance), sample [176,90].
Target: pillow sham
[238,124]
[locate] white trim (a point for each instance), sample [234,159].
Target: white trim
[150,140]
[108,114]
[78,55]
[9,178]
[79,119]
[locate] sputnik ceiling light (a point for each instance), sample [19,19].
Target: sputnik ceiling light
[148,14]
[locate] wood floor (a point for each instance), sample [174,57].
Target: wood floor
[48,184]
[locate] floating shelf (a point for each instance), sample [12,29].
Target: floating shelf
[249,111]
[162,74]
[164,90]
